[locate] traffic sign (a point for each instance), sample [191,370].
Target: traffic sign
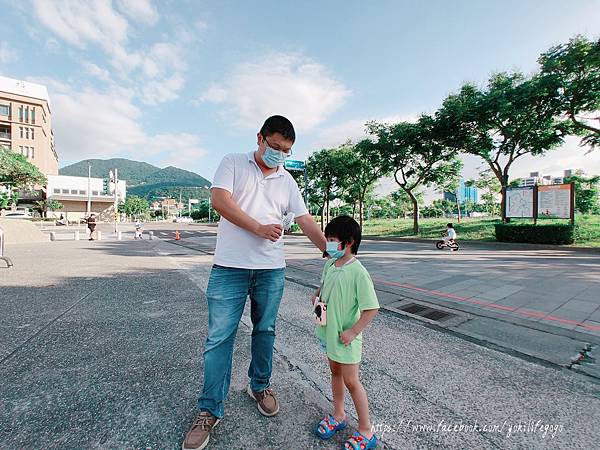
[294,164]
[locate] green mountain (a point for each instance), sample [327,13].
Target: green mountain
[135,172]
[143,179]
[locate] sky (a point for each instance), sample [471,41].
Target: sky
[184,82]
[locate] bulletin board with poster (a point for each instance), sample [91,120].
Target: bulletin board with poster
[556,201]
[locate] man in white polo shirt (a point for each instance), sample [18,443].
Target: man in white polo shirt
[252,192]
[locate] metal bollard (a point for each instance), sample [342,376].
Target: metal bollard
[99,234]
[52,236]
[151,235]
[2,257]
[119,235]
[76,233]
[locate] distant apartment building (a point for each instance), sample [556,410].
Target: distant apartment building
[169,206]
[537,179]
[464,193]
[26,123]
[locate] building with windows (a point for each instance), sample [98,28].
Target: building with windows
[464,193]
[75,192]
[537,179]
[26,123]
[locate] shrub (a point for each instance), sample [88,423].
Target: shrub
[558,234]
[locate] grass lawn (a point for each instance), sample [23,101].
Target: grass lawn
[479,229]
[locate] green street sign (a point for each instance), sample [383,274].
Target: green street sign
[294,164]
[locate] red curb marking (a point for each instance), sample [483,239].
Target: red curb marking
[531,312]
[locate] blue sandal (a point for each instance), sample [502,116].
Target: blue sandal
[328,426]
[359,441]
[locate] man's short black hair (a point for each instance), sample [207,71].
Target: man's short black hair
[449,225]
[278,124]
[346,229]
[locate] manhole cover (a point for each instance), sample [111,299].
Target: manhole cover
[427,312]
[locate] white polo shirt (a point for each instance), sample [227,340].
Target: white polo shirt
[266,199]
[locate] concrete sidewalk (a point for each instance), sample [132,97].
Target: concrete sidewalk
[101,348]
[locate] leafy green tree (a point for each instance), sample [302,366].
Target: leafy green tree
[570,76]
[417,155]
[17,172]
[361,166]
[510,118]
[134,206]
[43,206]
[489,187]
[325,173]
[586,191]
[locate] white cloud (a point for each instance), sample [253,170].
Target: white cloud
[81,22]
[96,71]
[93,124]
[292,85]
[85,23]
[162,90]
[353,129]
[7,54]
[140,10]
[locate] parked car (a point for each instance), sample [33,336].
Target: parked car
[19,215]
[183,220]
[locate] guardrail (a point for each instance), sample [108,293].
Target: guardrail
[2,257]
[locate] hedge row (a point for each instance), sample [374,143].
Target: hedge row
[558,234]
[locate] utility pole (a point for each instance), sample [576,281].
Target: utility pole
[116,197]
[89,190]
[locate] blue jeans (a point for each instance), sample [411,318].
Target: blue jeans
[226,294]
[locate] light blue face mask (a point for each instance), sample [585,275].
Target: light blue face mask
[332,249]
[272,158]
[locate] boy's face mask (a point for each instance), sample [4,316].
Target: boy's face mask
[332,249]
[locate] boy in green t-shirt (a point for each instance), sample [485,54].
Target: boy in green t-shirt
[351,304]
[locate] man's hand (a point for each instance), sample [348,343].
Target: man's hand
[271,231]
[347,336]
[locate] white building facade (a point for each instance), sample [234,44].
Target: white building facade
[75,192]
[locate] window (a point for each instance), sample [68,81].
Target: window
[82,193]
[57,191]
[74,191]
[26,133]
[20,113]
[21,150]
[95,193]
[21,132]
[43,116]
[32,134]
[33,115]
[4,110]
[65,191]
[32,150]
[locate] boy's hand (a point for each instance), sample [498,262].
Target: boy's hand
[347,336]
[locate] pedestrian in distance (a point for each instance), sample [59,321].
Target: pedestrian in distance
[252,192]
[91,224]
[345,305]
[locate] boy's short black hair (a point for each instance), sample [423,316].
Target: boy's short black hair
[450,225]
[346,229]
[278,124]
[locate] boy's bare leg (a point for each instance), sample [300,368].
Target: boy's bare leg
[338,389]
[359,397]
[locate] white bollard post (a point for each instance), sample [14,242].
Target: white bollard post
[151,235]
[99,234]
[52,236]
[76,235]
[119,235]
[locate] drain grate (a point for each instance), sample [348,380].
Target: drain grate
[427,312]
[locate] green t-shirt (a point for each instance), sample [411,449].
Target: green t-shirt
[347,290]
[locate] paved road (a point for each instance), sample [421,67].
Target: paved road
[542,304]
[102,346]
